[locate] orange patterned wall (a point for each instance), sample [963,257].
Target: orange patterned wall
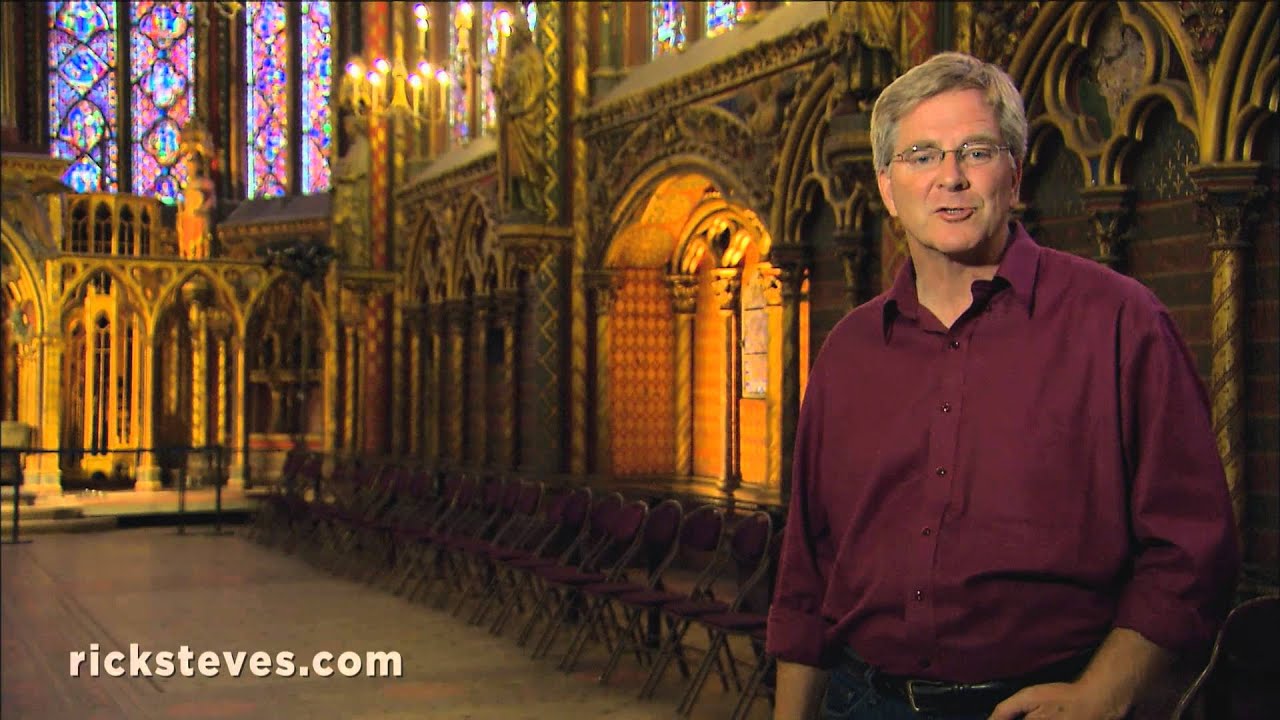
[642,343]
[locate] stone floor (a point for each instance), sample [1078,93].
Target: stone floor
[151,586]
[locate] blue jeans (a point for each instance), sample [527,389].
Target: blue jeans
[850,696]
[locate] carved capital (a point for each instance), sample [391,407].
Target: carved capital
[603,285]
[684,293]
[792,263]
[1206,23]
[1230,201]
[531,245]
[725,283]
[456,314]
[1110,211]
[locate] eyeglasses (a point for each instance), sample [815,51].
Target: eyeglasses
[969,155]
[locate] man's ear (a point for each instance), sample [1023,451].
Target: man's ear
[886,192]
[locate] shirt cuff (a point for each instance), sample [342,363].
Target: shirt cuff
[796,637]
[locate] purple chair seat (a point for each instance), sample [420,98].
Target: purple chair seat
[696,608]
[651,598]
[569,576]
[738,621]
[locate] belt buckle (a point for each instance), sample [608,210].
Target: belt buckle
[911,696]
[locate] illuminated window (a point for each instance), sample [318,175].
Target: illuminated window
[86,84]
[488,100]
[268,132]
[722,16]
[90,77]
[668,27]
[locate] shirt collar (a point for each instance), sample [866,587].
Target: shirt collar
[1018,268]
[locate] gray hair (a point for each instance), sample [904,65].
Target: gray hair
[942,73]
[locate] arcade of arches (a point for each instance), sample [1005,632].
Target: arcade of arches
[613,263]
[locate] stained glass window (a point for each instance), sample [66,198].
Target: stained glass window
[317,81]
[163,94]
[531,14]
[82,93]
[668,27]
[488,100]
[460,36]
[722,16]
[267,107]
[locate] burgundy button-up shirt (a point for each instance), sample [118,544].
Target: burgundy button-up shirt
[976,502]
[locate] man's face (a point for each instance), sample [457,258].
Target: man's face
[956,209]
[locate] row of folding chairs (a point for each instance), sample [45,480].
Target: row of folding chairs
[574,566]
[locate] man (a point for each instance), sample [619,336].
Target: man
[1007,500]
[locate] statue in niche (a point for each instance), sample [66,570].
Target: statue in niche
[351,191]
[863,37]
[521,112]
[199,196]
[1116,67]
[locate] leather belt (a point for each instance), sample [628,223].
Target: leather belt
[943,698]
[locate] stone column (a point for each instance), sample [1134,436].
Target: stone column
[476,387]
[456,313]
[792,263]
[400,420]
[506,317]
[435,384]
[219,328]
[603,291]
[239,470]
[1110,214]
[44,472]
[726,283]
[409,410]
[684,302]
[196,460]
[1229,196]
[351,381]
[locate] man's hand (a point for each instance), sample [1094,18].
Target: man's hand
[1062,701]
[1120,673]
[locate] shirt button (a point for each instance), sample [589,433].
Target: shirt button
[954,344]
[926,532]
[919,595]
[946,407]
[941,471]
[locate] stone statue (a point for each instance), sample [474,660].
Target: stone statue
[199,197]
[863,37]
[351,192]
[520,107]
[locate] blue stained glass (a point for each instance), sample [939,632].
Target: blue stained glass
[83,175]
[165,84]
[83,19]
[722,16]
[165,141]
[668,27]
[82,69]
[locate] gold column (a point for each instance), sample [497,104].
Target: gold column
[1109,209]
[726,282]
[476,387]
[351,380]
[1229,194]
[413,432]
[239,469]
[456,317]
[397,429]
[792,263]
[506,316]
[199,376]
[772,285]
[603,292]
[684,301]
[580,100]
[48,351]
[435,384]
[219,324]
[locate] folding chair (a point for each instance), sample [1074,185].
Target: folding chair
[562,586]
[658,545]
[748,557]
[701,538]
[1241,680]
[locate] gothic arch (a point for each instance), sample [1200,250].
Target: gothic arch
[1245,88]
[796,183]
[222,297]
[21,274]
